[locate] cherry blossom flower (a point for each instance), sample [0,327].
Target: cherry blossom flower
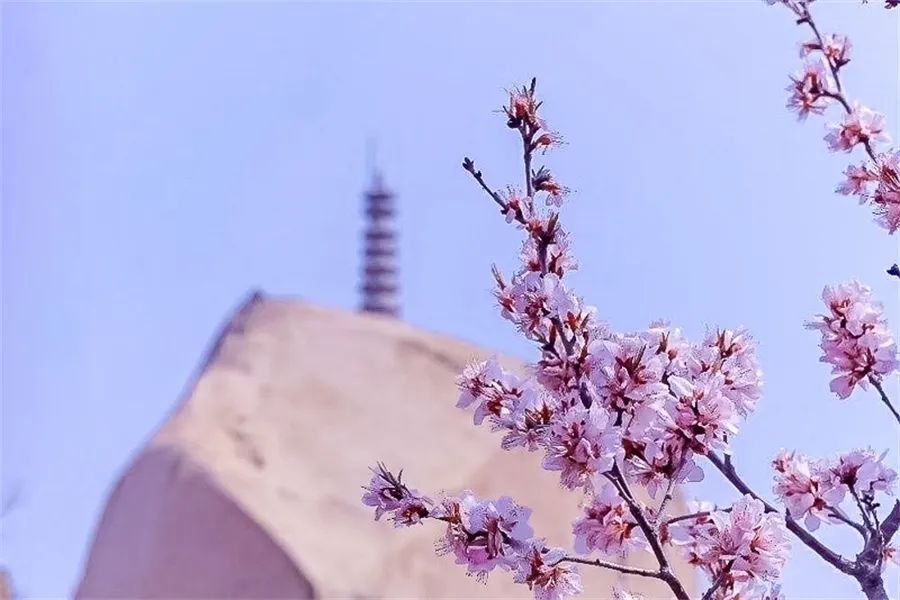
[606,525]
[744,546]
[861,126]
[483,534]
[547,140]
[836,49]
[752,541]
[388,494]
[809,490]
[522,109]
[581,444]
[543,181]
[657,457]
[886,197]
[810,89]
[864,472]
[855,338]
[541,570]
[626,373]
[858,178]
[732,354]
[495,390]
[527,426]
[701,413]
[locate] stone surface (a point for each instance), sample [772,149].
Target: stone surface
[251,488]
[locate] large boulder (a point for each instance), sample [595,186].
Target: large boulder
[251,489]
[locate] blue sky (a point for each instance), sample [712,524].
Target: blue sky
[161,159]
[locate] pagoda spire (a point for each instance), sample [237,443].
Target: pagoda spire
[379,285]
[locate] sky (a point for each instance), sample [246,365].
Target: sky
[162,159]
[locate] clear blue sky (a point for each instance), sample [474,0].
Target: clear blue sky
[161,159]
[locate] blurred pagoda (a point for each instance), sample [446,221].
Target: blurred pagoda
[379,284]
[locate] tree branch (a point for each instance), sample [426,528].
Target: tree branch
[892,523]
[469,165]
[884,397]
[637,512]
[596,562]
[838,514]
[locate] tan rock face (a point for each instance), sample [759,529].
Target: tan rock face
[252,488]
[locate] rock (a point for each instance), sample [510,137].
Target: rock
[251,488]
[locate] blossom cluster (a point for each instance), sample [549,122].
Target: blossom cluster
[611,410]
[743,549]
[655,402]
[814,88]
[856,340]
[482,535]
[813,490]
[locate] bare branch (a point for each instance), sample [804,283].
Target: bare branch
[469,165]
[884,397]
[892,523]
[596,562]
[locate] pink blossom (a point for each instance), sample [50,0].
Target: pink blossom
[752,540]
[808,490]
[864,472]
[388,494]
[836,49]
[658,458]
[855,338]
[581,444]
[496,391]
[522,109]
[732,354]
[516,205]
[533,299]
[746,546]
[669,343]
[626,373]
[543,181]
[483,534]
[527,426]
[858,177]
[810,88]
[886,197]
[701,413]
[861,126]
[540,568]
[547,140]
[686,532]
[606,525]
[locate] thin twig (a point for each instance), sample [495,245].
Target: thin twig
[838,514]
[667,497]
[696,515]
[884,397]
[469,165]
[596,562]
[718,582]
[862,510]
